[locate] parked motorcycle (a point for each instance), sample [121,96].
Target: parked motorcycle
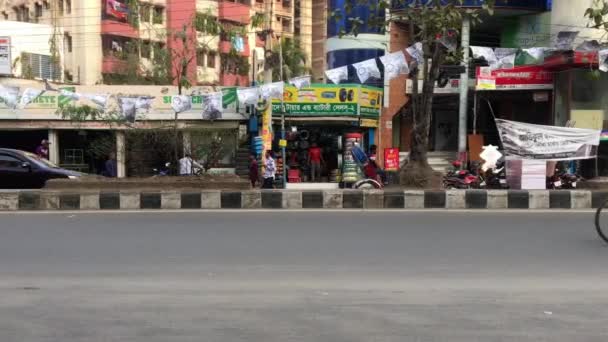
[164,171]
[562,180]
[462,179]
[495,178]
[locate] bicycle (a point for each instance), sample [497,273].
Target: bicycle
[598,227]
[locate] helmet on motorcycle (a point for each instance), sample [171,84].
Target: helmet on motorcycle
[457,164]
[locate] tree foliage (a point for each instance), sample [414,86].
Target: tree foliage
[428,22]
[598,15]
[293,61]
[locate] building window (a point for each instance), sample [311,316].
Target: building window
[22,13]
[200,58]
[146,49]
[60,6]
[38,66]
[67,41]
[5,15]
[144,13]
[68,6]
[158,14]
[211,59]
[47,5]
[38,10]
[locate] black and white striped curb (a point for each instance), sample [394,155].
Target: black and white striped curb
[285,199]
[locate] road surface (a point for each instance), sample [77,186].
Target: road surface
[302,276]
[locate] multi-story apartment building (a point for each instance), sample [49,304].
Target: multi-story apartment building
[93,40]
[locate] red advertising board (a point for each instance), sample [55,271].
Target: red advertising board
[117,9]
[518,78]
[391,159]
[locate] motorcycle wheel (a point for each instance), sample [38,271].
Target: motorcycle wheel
[598,222]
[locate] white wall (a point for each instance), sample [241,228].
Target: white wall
[568,15]
[27,37]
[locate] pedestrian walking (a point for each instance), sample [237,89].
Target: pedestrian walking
[110,166]
[270,169]
[254,173]
[42,151]
[315,159]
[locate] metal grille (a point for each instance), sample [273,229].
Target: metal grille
[39,66]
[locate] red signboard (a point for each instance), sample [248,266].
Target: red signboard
[391,159]
[518,78]
[117,9]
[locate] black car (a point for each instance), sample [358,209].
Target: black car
[25,170]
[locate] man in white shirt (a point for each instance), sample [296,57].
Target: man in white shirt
[270,169]
[187,165]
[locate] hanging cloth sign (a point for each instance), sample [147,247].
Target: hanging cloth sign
[248,96]
[9,95]
[181,103]
[28,95]
[528,141]
[565,40]
[367,69]
[485,53]
[415,51]
[70,94]
[272,90]
[394,65]
[128,107]
[300,81]
[603,60]
[144,102]
[212,105]
[99,99]
[337,75]
[505,58]
[537,53]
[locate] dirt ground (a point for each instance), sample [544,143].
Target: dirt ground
[204,182]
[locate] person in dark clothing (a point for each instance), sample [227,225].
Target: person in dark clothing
[254,173]
[110,167]
[42,151]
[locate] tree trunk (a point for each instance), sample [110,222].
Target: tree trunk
[417,173]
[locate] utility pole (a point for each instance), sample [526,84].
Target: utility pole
[283,153]
[464,90]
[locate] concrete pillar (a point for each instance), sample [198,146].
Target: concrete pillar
[121,154]
[54,146]
[187,142]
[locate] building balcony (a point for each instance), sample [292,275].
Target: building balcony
[243,81]
[117,28]
[113,65]
[226,47]
[259,42]
[234,11]
[206,75]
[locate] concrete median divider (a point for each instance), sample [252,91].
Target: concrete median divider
[51,200]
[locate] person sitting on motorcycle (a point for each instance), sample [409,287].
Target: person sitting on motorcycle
[371,170]
[187,165]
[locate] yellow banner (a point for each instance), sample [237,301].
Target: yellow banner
[372,123]
[267,128]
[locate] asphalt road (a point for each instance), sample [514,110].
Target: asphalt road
[302,276]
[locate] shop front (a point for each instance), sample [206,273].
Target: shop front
[581,101]
[523,94]
[84,144]
[322,124]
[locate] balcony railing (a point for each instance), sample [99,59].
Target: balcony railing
[234,11]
